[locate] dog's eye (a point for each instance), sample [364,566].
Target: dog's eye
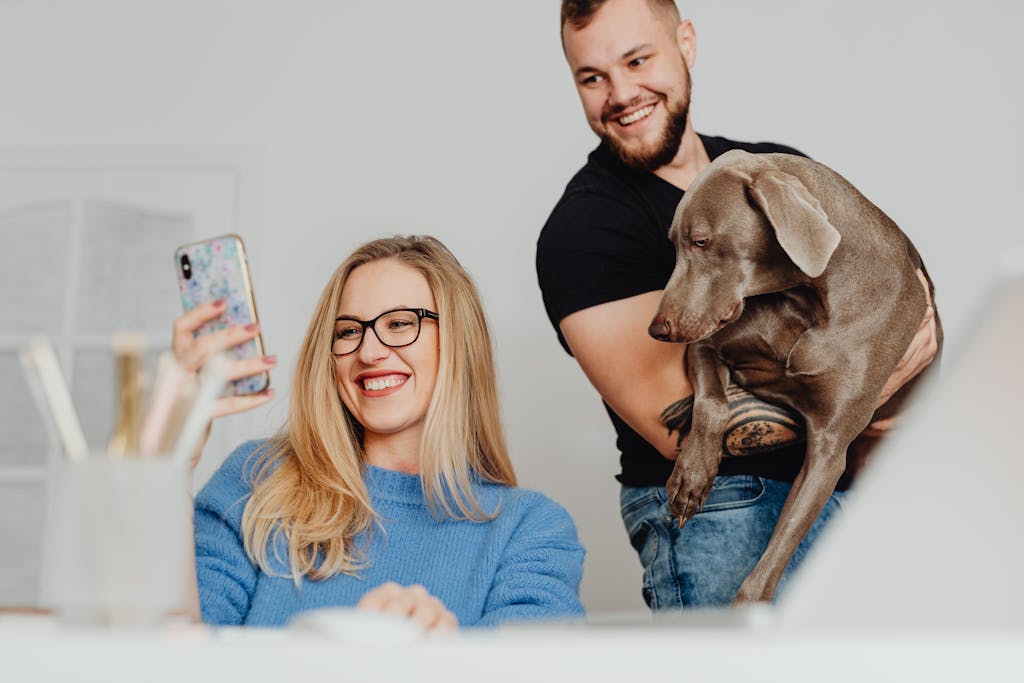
[700,243]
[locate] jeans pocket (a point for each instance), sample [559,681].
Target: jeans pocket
[652,534]
[734,491]
[644,539]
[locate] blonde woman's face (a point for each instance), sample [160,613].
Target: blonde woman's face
[387,390]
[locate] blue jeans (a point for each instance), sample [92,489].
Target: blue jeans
[704,563]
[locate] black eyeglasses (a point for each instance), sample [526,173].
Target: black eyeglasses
[396,328]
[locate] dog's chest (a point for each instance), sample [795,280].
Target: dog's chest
[756,347]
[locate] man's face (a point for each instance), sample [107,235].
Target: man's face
[630,67]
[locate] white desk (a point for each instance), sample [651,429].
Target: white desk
[39,648]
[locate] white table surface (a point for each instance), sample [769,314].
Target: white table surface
[41,648]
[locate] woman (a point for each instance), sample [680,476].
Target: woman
[390,487]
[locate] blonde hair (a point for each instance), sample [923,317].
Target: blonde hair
[308,484]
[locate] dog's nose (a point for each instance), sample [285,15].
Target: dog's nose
[660,329]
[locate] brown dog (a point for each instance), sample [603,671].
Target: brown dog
[793,285]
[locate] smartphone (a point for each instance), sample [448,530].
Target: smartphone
[217,268]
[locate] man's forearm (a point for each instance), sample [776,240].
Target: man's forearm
[754,426]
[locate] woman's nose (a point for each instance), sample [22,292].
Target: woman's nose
[372,349]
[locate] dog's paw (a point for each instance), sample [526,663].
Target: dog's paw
[689,485]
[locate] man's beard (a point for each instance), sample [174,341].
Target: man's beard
[666,148]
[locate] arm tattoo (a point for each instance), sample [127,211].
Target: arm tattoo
[754,426]
[678,417]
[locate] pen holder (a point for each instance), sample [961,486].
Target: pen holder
[115,545]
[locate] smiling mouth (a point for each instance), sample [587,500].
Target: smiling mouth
[382,383]
[638,115]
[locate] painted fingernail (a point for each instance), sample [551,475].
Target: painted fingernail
[252,327]
[270,360]
[218,303]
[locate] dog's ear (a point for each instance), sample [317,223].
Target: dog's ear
[800,224]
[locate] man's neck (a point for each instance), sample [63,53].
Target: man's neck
[691,159]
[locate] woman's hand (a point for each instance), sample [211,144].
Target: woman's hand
[192,352]
[921,352]
[413,602]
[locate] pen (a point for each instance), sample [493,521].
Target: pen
[167,387]
[213,380]
[128,350]
[52,396]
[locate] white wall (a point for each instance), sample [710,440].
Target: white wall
[458,118]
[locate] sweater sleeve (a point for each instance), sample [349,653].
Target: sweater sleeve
[226,575]
[540,570]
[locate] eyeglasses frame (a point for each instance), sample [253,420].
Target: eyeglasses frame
[421,313]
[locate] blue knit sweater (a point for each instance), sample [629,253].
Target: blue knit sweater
[525,564]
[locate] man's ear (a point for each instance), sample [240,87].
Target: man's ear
[800,224]
[686,38]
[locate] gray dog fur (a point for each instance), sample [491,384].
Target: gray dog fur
[789,282]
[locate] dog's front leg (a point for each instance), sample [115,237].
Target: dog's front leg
[701,450]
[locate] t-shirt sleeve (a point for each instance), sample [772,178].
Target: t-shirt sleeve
[595,249]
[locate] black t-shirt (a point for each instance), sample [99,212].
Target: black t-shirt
[607,239]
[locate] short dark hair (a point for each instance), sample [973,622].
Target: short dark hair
[578,13]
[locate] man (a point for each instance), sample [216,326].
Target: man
[603,259]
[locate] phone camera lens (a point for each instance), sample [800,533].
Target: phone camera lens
[186,267]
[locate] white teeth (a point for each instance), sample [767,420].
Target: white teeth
[637,115]
[378,383]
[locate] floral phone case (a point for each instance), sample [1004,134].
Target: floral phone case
[217,268]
